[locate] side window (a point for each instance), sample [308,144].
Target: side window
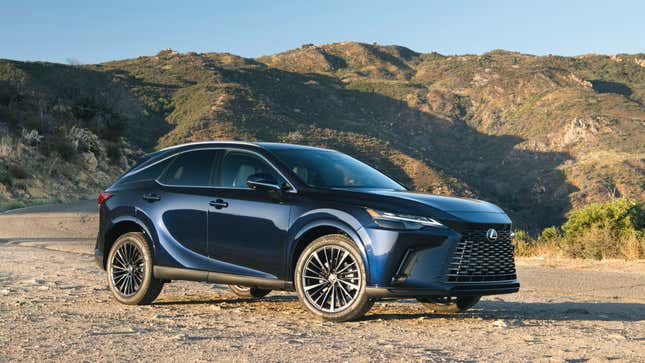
[190,169]
[237,166]
[149,173]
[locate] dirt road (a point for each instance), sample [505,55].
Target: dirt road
[54,305]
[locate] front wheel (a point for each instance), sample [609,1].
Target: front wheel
[129,268]
[330,279]
[248,292]
[449,304]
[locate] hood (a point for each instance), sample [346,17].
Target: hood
[446,204]
[467,210]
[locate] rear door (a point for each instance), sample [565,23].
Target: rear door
[184,195]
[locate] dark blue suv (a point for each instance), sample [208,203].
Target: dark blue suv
[267,216]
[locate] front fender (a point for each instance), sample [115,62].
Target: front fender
[328,218]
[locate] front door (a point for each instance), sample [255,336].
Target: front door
[246,227]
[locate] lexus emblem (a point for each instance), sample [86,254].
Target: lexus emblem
[491,235]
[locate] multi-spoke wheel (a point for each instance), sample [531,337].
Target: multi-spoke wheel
[248,292]
[449,304]
[129,268]
[330,279]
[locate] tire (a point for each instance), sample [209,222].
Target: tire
[248,292]
[337,295]
[449,305]
[132,285]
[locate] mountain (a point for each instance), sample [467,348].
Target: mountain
[538,135]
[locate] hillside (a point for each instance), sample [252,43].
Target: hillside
[539,135]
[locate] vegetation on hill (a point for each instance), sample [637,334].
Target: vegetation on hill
[539,136]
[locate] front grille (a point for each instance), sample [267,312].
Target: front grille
[478,259]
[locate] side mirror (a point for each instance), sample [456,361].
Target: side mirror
[262,181]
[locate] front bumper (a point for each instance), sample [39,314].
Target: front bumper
[419,263]
[503,287]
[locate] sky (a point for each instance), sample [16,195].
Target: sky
[96,31]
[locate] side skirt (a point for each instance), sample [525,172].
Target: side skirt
[173,273]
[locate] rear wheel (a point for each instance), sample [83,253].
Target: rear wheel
[129,268]
[330,279]
[248,292]
[449,304]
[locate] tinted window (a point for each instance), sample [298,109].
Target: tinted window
[149,173]
[332,169]
[190,169]
[237,166]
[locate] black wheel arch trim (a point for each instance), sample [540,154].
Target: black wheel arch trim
[333,223]
[150,239]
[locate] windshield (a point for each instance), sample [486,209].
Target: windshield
[331,169]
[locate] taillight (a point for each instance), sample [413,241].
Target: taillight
[103,197]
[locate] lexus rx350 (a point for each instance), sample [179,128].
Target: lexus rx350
[268,216]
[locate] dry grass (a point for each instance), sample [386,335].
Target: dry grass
[597,243]
[7,146]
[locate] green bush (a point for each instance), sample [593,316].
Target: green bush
[621,217]
[13,204]
[18,172]
[601,230]
[549,233]
[59,144]
[5,176]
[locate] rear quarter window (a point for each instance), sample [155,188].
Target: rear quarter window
[147,173]
[190,169]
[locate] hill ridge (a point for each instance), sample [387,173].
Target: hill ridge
[538,135]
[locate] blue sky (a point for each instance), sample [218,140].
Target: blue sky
[96,31]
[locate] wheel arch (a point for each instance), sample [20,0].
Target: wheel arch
[120,227]
[315,229]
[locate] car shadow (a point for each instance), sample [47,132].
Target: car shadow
[515,312]
[232,301]
[521,313]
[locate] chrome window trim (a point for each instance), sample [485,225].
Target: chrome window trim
[292,190]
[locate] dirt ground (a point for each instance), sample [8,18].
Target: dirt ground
[54,305]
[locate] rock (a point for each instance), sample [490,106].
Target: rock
[500,324]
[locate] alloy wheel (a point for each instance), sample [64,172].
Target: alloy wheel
[331,279]
[127,269]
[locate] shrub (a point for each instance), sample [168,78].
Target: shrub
[549,233]
[31,137]
[523,243]
[83,140]
[113,152]
[621,216]
[18,172]
[5,177]
[13,204]
[601,230]
[59,144]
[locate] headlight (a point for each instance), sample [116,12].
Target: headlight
[401,221]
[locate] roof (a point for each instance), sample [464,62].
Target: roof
[264,145]
[283,146]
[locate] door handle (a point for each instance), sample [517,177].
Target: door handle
[218,204]
[151,197]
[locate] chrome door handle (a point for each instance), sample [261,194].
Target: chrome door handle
[218,204]
[151,197]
